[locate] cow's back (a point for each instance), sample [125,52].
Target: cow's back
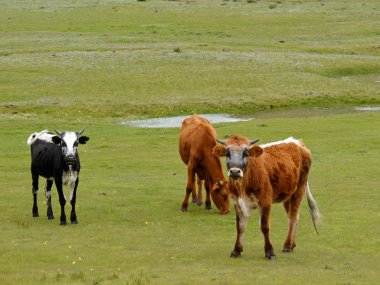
[283,166]
[293,150]
[197,136]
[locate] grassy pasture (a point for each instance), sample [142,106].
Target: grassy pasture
[131,231]
[69,64]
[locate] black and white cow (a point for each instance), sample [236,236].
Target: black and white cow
[56,158]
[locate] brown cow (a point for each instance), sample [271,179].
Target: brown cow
[196,142]
[266,174]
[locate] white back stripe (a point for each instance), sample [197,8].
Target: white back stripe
[288,140]
[43,135]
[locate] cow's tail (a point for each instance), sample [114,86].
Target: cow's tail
[33,137]
[313,208]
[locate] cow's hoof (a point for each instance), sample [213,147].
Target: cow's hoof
[208,208]
[63,223]
[50,217]
[234,254]
[74,222]
[287,250]
[183,209]
[197,203]
[270,256]
[35,215]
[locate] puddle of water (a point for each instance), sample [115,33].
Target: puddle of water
[176,122]
[367,108]
[313,112]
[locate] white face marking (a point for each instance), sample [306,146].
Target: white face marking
[69,138]
[288,140]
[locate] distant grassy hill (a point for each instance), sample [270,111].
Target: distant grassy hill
[153,58]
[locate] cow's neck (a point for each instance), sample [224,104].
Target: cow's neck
[70,176]
[235,186]
[251,172]
[67,168]
[245,202]
[214,170]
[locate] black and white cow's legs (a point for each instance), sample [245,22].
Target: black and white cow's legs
[35,192]
[49,184]
[73,216]
[62,200]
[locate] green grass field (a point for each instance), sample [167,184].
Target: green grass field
[298,67]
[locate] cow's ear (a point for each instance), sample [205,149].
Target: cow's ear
[56,139]
[83,139]
[255,151]
[217,186]
[219,150]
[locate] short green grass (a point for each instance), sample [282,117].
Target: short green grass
[74,64]
[131,230]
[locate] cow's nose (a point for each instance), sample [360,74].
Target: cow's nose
[224,212]
[235,173]
[70,159]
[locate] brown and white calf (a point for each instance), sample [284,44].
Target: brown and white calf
[196,142]
[266,174]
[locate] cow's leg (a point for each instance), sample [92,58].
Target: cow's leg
[197,198]
[194,194]
[49,184]
[265,228]
[73,197]
[241,225]
[62,199]
[35,192]
[189,186]
[292,207]
[208,196]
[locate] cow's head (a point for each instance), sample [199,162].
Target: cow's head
[69,141]
[237,150]
[220,196]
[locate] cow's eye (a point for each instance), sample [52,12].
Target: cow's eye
[228,153]
[64,150]
[245,153]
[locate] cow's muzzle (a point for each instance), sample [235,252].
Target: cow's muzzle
[235,173]
[70,160]
[224,212]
